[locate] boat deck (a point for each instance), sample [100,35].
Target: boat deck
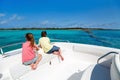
[70,69]
[78,64]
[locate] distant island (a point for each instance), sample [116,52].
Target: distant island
[75,28]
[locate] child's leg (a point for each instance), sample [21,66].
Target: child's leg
[59,54]
[38,60]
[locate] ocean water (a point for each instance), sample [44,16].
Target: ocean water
[107,38]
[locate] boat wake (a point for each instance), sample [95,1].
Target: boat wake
[90,33]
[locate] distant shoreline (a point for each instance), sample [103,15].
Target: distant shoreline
[85,29]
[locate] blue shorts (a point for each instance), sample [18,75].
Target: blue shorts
[31,61]
[54,48]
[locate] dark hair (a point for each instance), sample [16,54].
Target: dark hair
[30,37]
[43,34]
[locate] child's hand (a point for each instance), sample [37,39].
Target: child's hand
[37,49]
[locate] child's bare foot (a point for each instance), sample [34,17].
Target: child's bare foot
[62,58]
[33,66]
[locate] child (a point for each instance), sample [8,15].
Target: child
[29,57]
[44,43]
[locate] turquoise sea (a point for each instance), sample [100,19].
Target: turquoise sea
[107,38]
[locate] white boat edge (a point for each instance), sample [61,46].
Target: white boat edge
[17,71]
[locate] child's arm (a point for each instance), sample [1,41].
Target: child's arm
[40,46]
[36,47]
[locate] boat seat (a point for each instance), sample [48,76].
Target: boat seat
[96,72]
[115,67]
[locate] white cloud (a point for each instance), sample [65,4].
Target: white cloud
[11,18]
[19,17]
[14,16]
[45,22]
[2,15]
[3,22]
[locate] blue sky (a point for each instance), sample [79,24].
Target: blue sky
[60,13]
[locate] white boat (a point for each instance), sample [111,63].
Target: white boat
[81,62]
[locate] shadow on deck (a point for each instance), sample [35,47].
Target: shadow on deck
[94,72]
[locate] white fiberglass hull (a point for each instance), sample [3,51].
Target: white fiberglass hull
[77,59]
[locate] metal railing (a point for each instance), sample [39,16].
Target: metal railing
[1,48]
[2,52]
[60,40]
[112,52]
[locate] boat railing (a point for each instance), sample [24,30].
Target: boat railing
[60,40]
[112,52]
[10,45]
[20,43]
